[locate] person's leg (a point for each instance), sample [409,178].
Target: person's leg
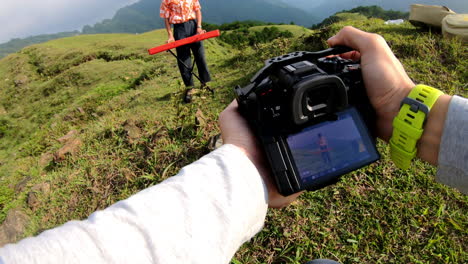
[181,31]
[199,54]
[328,157]
[324,159]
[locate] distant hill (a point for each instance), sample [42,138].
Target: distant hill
[364,11]
[323,9]
[16,44]
[144,15]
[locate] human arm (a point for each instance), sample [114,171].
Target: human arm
[165,13]
[198,15]
[202,215]
[170,35]
[453,155]
[387,84]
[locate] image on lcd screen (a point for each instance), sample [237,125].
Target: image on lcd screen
[327,147]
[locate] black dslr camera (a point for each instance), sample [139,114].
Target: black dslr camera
[311,113]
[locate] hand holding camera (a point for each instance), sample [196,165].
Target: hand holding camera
[385,81]
[311,115]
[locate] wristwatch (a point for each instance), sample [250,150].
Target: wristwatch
[408,125]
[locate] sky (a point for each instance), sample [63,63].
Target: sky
[24,18]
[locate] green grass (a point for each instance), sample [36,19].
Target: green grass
[126,108]
[297,31]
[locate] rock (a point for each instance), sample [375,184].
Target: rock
[133,131]
[35,193]
[20,80]
[46,159]
[42,187]
[33,201]
[12,229]
[70,135]
[71,145]
[70,148]
[80,109]
[200,119]
[19,187]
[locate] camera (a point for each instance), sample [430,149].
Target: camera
[312,116]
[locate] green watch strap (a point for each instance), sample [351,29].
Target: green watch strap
[408,125]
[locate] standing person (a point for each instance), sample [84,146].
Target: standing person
[186,17]
[323,144]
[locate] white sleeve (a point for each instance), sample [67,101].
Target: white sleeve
[202,215]
[453,152]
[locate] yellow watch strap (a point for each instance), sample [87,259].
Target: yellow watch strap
[408,125]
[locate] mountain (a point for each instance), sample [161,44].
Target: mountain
[363,12]
[323,9]
[144,15]
[16,44]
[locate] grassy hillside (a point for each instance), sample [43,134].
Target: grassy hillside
[297,31]
[89,120]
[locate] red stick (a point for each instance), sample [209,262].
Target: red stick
[185,41]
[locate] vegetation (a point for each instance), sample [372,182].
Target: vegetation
[242,37]
[367,11]
[251,32]
[236,25]
[128,129]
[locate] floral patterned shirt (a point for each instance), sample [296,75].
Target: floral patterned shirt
[179,11]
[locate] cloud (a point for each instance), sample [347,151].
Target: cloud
[23,18]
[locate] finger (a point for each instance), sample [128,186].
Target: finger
[351,37]
[352,55]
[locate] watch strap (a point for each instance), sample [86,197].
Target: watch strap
[408,125]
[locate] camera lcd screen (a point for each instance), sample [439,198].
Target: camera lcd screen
[329,149]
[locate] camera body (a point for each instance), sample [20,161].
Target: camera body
[312,117]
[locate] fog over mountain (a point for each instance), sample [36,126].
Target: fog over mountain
[23,18]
